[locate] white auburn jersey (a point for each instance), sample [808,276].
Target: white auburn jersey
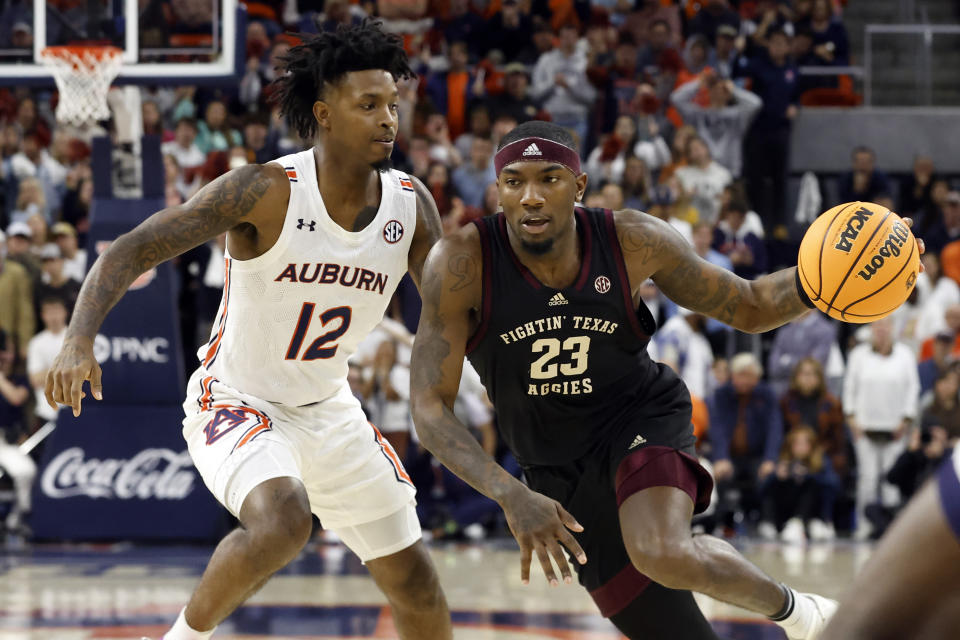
[290,318]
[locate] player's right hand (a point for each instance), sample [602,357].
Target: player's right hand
[73,365]
[540,525]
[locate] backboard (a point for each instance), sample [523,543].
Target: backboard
[173,42]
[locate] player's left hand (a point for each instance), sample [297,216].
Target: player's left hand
[920,246]
[541,524]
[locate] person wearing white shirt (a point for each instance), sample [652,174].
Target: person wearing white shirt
[74,258]
[880,395]
[703,179]
[182,147]
[43,349]
[684,348]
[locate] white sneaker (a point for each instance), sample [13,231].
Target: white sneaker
[821,531]
[767,531]
[810,616]
[793,532]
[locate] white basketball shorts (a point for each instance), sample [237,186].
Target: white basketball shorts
[353,477]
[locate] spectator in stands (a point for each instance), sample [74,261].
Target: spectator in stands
[937,293]
[947,228]
[696,54]
[723,57]
[608,159]
[915,193]
[560,84]
[702,178]
[642,23]
[74,258]
[54,283]
[462,25]
[17,318]
[388,397]
[619,84]
[509,31]
[30,200]
[471,178]
[480,125]
[441,146]
[490,206]
[33,161]
[774,80]
[43,349]
[810,336]
[930,369]
[863,182]
[880,394]
[14,395]
[79,196]
[746,431]
[926,451]
[682,345]
[830,42]
[451,90]
[794,498]
[940,408]
[808,402]
[260,142]
[183,147]
[659,61]
[515,102]
[722,124]
[636,183]
[737,241]
[19,244]
[711,16]
[441,187]
[214,133]
[951,319]
[612,196]
[152,120]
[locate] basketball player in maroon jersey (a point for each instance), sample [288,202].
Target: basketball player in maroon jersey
[543,300]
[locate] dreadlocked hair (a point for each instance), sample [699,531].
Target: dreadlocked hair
[324,59]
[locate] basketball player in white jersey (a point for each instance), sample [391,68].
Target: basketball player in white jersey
[316,244]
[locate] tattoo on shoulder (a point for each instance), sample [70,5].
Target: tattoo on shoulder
[648,245]
[464,268]
[432,346]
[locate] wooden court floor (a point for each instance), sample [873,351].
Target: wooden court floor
[126,591]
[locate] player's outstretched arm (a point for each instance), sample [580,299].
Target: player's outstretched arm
[654,249]
[238,197]
[451,292]
[429,230]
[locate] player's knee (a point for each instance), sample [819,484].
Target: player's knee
[417,588]
[669,562]
[284,530]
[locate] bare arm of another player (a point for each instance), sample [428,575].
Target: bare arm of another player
[909,587]
[451,292]
[654,249]
[429,230]
[241,196]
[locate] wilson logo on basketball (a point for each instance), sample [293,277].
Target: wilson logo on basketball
[602,284]
[854,224]
[890,248]
[393,231]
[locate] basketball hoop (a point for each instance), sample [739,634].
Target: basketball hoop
[83,75]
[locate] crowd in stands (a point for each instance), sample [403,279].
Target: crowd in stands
[680,109]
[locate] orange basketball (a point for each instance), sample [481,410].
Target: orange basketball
[858,262]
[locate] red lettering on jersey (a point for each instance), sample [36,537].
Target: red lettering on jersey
[290,272]
[330,273]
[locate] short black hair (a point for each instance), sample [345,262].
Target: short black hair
[539,129]
[324,59]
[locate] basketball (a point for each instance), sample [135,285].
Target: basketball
[858,262]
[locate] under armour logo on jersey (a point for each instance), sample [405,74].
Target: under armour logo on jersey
[301,224]
[557,300]
[532,150]
[639,440]
[602,284]
[393,231]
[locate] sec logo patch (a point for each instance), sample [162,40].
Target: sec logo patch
[602,284]
[393,231]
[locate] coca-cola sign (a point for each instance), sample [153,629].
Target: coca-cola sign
[151,474]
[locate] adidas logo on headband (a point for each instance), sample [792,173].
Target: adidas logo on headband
[532,150]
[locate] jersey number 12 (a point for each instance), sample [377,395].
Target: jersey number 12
[317,350]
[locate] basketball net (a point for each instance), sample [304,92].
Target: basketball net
[83,75]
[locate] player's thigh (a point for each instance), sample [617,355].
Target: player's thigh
[384,543]
[660,613]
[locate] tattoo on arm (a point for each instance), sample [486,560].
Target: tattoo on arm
[463,267]
[218,207]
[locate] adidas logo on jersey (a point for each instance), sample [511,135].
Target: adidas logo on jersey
[639,440]
[557,300]
[532,150]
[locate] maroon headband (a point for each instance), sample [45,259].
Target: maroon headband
[534,149]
